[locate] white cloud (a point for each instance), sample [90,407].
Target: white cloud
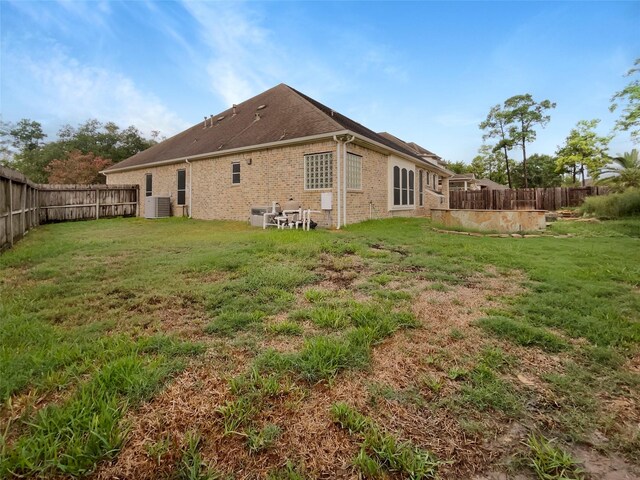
[242,61]
[65,90]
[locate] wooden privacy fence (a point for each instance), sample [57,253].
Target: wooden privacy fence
[523,198]
[18,206]
[63,203]
[24,204]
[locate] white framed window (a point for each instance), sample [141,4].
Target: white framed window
[354,171]
[403,187]
[428,179]
[318,171]
[235,173]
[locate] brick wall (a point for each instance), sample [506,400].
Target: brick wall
[268,175]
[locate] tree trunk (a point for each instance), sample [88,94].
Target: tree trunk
[506,162]
[582,173]
[524,162]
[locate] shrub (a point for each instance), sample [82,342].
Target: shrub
[616,205]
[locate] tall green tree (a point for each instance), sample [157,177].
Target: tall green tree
[583,151]
[489,163]
[523,114]
[21,146]
[629,97]
[458,167]
[541,171]
[31,155]
[623,172]
[496,125]
[26,135]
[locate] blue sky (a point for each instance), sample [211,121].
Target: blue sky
[425,71]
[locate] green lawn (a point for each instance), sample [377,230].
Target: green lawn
[387,322]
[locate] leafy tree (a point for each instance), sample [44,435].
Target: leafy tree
[584,150]
[623,172]
[458,167]
[496,126]
[21,144]
[522,114]
[31,155]
[105,140]
[5,143]
[489,163]
[541,170]
[77,167]
[630,96]
[27,135]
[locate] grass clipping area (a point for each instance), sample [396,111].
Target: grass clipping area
[385,350]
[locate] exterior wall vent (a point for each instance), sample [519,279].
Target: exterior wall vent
[157,207]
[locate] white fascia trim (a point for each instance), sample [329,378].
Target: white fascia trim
[415,160]
[221,153]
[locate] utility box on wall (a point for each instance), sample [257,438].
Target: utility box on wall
[326,200]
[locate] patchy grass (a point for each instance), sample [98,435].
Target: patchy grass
[523,333]
[550,462]
[98,318]
[380,450]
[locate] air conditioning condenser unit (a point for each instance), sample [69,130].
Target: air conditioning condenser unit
[157,206]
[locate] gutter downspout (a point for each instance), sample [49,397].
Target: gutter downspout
[338,201]
[190,183]
[344,180]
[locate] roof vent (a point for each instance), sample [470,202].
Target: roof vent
[234,108]
[261,107]
[205,123]
[332,113]
[257,117]
[221,118]
[211,121]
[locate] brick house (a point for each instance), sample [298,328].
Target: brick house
[282,144]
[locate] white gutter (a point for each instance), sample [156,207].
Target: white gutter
[411,158]
[222,153]
[338,200]
[190,184]
[344,180]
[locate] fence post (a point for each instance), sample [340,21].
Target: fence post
[23,206]
[11,212]
[97,204]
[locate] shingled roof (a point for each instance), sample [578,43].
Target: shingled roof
[276,115]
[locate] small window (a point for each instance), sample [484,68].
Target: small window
[421,188]
[428,179]
[182,187]
[148,184]
[318,171]
[235,173]
[354,171]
